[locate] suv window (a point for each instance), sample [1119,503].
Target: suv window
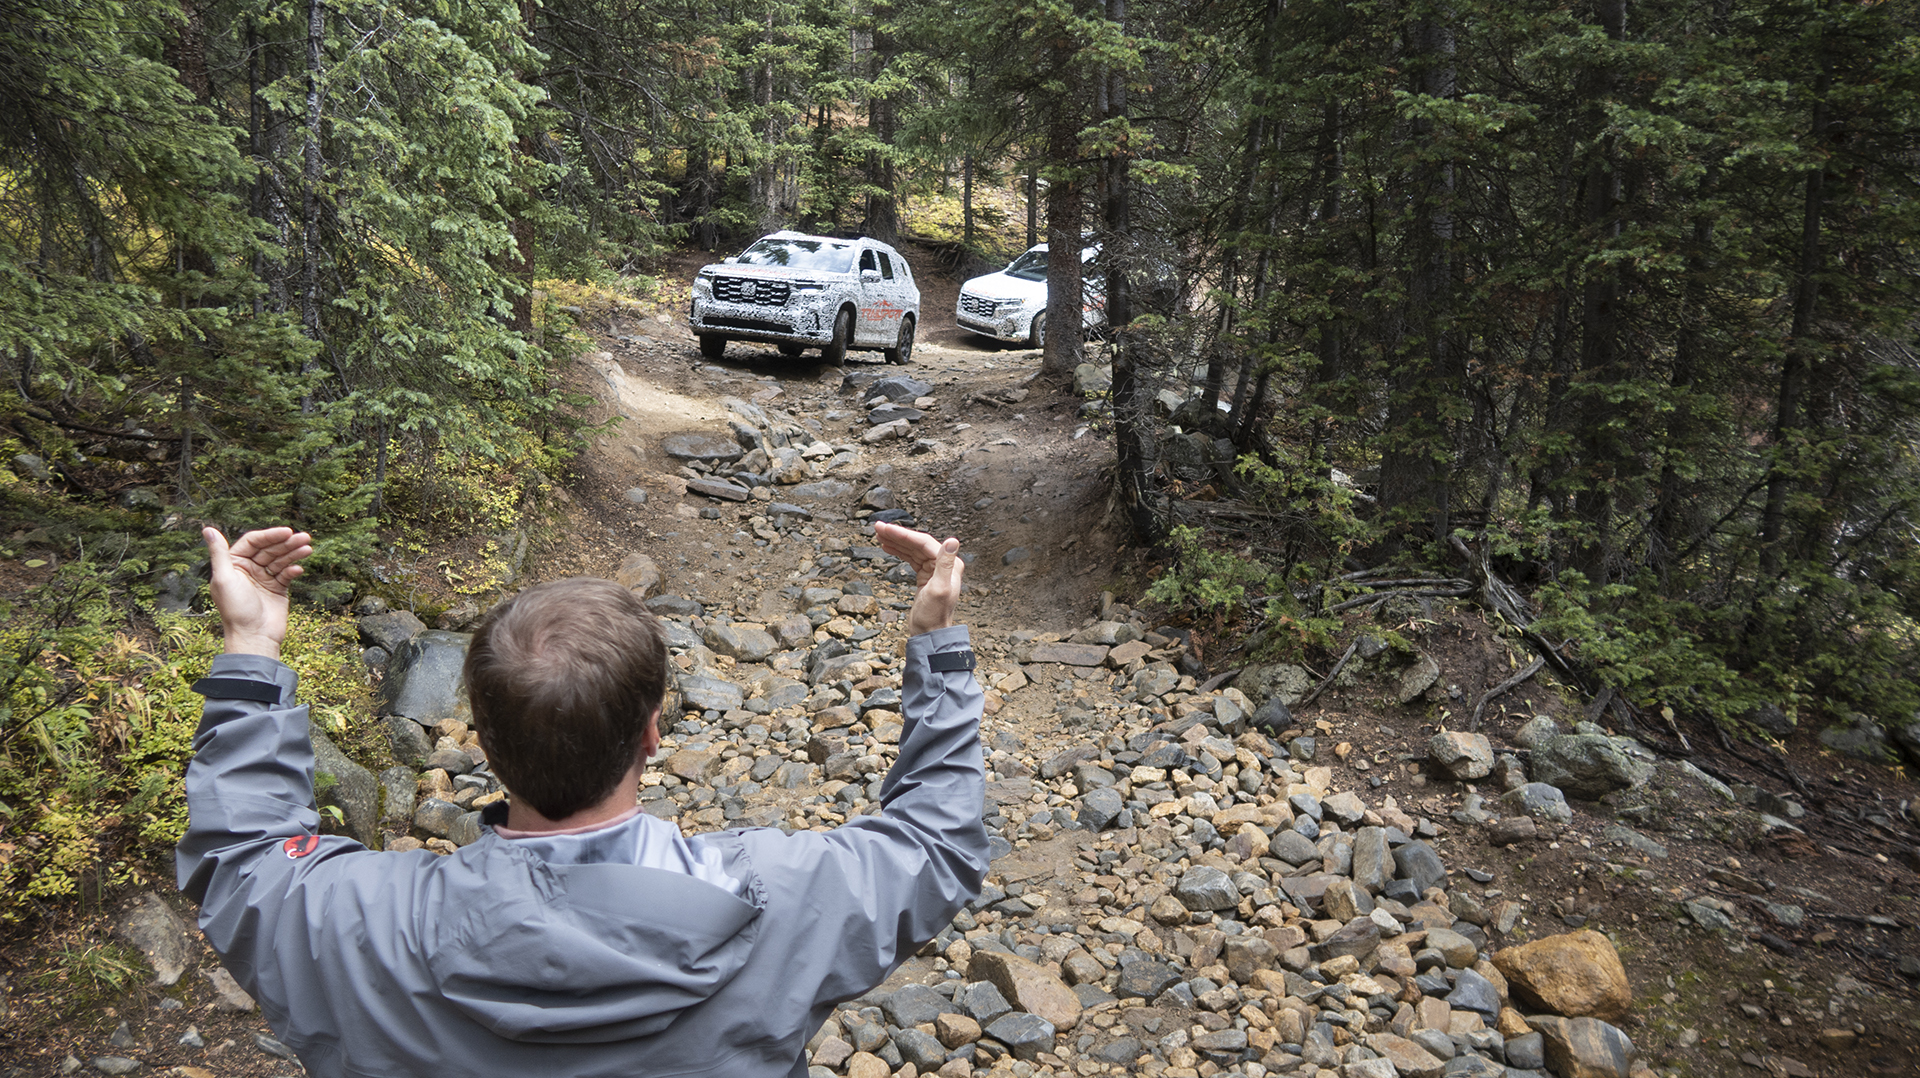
[866,261]
[821,257]
[886,266]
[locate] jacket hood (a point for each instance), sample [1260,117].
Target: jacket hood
[561,957]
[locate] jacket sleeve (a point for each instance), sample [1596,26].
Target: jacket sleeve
[866,894]
[249,790]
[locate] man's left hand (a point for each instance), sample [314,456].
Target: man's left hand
[250,581]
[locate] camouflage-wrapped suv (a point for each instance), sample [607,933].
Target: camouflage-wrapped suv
[799,291]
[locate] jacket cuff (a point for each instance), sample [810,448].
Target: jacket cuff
[938,642]
[258,668]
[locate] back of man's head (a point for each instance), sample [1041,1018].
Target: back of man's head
[563,679]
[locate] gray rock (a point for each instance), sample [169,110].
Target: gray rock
[1587,766]
[1373,862]
[1110,633]
[1293,847]
[390,630]
[272,1047]
[1145,979]
[1527,1051]
[424,682]
[1584,1046]
[1092,380]
[1015,556]
[820,491]
[893,413]
[398,789]
[1206,888]
[1770,719]
[354,790]
[1287,681]
[900,389]
[228,996]
[410,743]
[922,1050]
[1540,801]
[1709,918]
[465,830]
[153,929]
[1418,862]
[1120,1052]
[671,605]
[745,644]
[115,1064]
[1272,716]
[719,488]
[710,693]
[1025,1035]
[636,495]
[1468,1065]
[1472,992]
[1100,808]
[437,817]
[1462,756]
[1859,737]
[982,1002]
[29,466]
[1631,839]
[1416,679]
[452,761]
[1535,731]
[701,445]
[913,1004]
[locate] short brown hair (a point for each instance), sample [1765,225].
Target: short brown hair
[563,679]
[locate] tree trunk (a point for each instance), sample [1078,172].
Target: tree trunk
[1218,360]
[311,171]
[1130,433]
[1063,350]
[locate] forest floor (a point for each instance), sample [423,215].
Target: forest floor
[1807,981]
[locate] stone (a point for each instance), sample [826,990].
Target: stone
[1088,380]
[1246,954]
[1462,756]
[710,694]
[1357,939]
[1458,950]
[115,1064]
[407,740]
[1577,974]
[1584,1047]
[1070,654]
[1376,1067]
[1418,862]
[1109,633]
[390,630]
[982,1001]
[1373,863]
[746,643]
[1540,801]
[955,1030]
[1025,1035]
[1408,1058]
[424,680]
[719,489]
[1029,987]
[1770,719]
[1416,679]
[1859,737]
[1204,887]
[1527,1051]
[1100,809]
[437,817]
[831,1052]
[152,928]
[867,1065]
[1587,766]
[1534,732]
[1145,980]
[900,389]
[348,787]
[914,1004]
[920,1049]
[1120,1052]
[638,574]
[1293,847]
[228,996]
[703,446]
[1472,992]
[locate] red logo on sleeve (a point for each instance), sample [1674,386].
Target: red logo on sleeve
[301,845]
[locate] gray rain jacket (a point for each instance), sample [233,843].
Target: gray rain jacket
[497,960]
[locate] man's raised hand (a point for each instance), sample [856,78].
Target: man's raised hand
[937,566]
[250,581]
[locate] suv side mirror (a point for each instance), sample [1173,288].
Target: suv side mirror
[869,275]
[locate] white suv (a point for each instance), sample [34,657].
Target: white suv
[799,291]
[1011,305]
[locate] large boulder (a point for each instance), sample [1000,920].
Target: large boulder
[1859,737]
[1285,680]
[1587,766]
[345,785]
[1577,974]
[152,927]
[424,681]
[1584,1047]
[1462,756]
[745,642]
[1029,987]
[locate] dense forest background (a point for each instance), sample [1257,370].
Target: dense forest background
[1613,300]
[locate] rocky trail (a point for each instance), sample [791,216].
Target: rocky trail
[1195,873]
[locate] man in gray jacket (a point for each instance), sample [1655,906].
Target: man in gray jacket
[578,936]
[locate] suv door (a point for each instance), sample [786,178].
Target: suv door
[880,306]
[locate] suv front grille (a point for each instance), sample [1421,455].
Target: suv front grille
[977,306]
[754,290]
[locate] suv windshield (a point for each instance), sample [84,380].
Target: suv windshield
[1031,266]
[818,256]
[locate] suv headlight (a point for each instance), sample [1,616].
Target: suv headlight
[703,285]
[808,286]
[1010,306]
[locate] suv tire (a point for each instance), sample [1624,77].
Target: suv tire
[713,346]
[1037,335]
[902,352]
[835,351]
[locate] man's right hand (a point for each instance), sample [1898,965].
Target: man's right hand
[250,581]
[938,567]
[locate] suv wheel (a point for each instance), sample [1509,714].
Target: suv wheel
[791,350]
[713,345]
[902,352]
[835,351]
[1037,336]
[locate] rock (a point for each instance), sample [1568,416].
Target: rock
[424,680]
[228,996]
[703,446]
[30,466]
[1509,830]
[825,490]
[1577,974]
[1859,737]
[1025,1035]
[437,817]
[1272,716]
[898,428]
[920,1049]
[1376,1067]
[1770,719]
[1206,888]
[153,929]
[745,643]
[914,1004]
[352,789]
[398,788]
[1110,633]
[1587,766]
[1145,979]
[718,488]
[1088,380]
[1535,731]
[1418,862]
[390,630]
[1245,955]
[272,1047]
[115,1064]
[867,1065]
[982,1001]
[1527,1051]
[1017,555]
[1100,809]
[1458,950]
[1408,1058]
[638,573]
[956,1029]
[1029,987]
[710,694]
[1463,756]
[1287,681]
[1540,801]
[1070,654]
[1373,863]
[899,389]
[1584,1047]
[1416,679]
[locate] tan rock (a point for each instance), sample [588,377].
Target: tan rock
[1407,1057]
[867,1065]
[1028,987]
[956,1068]
[1250,842]
[1458,949]
[639,573]
[832,1052]
[1512,1023]
[1577,974]
[1433,1013]
[689,765]
[1169,910]
[954,1030]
